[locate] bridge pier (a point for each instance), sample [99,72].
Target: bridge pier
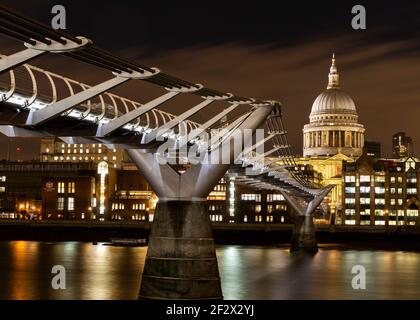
[181,260]
[303,233]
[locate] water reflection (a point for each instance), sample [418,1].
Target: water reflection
[104,272]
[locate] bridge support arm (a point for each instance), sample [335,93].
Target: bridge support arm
[17,59]
[110,127]
[37,117]
[156,133]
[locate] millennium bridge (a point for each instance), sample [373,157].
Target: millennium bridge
[181,261]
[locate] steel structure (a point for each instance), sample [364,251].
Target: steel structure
[181,252]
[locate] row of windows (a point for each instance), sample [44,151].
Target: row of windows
[121,206]
[63,151]
[382,212]
[257,197]
[75,145]
[380,190]
[62,201]
[365,201]
[215,207]
[364,178]
[139,206]
[220,187]
[367,178]
[71,187]
[56,158]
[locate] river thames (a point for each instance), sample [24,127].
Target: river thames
[247,272]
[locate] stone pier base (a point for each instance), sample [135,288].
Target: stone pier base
[181,259]
[303,235]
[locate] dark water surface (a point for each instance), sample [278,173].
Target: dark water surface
[105,272]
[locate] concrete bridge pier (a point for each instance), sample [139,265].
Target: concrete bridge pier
[303,233]
[181,260]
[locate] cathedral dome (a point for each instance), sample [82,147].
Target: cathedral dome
[333,100]
[333,123]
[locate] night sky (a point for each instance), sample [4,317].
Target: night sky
[257,49]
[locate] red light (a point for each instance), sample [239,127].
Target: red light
[18,149]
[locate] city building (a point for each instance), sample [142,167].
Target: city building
[55,150]
[36,190]
[381,192]
[333,136]
[373,149]
[402,146]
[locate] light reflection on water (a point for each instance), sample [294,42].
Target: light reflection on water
[105,272]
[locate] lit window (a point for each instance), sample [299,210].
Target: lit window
[400,202]
[350,189]
[350,222]
[60,187]
[379,201]
[364,200]
[60,203]
[258,208]
[251,197]
[71,187]
[70,204]
[364,189]
[380,178]
[392,202]
[350,179]
[379,190]
[364,178]
[350,212]
[2,189]
[114,158]
[411,191]
[350,200]
[3,179]
[399,179]
[281,207]
[392,179]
